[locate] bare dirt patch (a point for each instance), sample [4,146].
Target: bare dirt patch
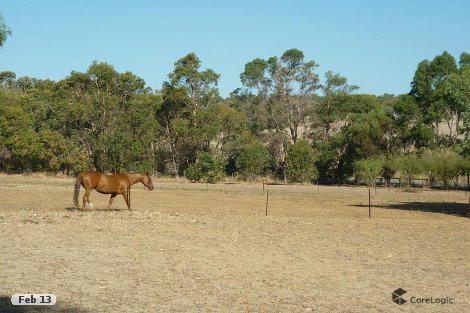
[210,248]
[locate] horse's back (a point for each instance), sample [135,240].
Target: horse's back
[116,182]
[91,174]
[111,183]
[90,179]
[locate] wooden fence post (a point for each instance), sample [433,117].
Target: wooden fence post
[267,202]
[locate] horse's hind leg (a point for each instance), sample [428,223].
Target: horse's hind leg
[86,198]
[111,200]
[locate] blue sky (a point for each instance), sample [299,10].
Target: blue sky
[374,44]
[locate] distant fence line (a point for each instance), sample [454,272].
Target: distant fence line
[269,191]
[399,183]
[396,182]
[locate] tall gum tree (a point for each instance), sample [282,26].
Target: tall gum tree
[286,87]
[5,31]
[426,85]
[187,114]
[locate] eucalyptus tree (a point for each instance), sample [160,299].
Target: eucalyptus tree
[92,110]
[200,86]
[20,146]
[7,80]
[365,133]
[170,115]
[285,86]
[189,114]
[5,31]
[331,107]
[410,132]
[110,115]
[455,91]
[462,145]
[464,59]
[428,79]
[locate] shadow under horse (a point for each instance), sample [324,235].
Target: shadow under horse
[113,184]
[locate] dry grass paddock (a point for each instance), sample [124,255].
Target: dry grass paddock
[210,248]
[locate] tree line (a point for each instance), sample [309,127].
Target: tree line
[284,121]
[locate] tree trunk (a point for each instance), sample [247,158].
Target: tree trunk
[173,158]
[468,181]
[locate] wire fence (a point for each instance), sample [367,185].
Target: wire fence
[459,183]
[271,197]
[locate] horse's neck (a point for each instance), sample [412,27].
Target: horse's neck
[134,178]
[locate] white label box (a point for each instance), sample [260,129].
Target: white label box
[33,299]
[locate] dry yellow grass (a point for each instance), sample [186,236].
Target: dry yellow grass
[210,248]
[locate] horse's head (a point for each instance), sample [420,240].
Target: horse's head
[147,181]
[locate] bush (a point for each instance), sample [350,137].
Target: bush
[442,165]
[206,169]
[407,165]
[300,162]
[369,169]
[464,166]
[252,161]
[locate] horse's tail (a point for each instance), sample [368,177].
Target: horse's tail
[78,183]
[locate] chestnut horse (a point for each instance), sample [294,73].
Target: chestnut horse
[114,184]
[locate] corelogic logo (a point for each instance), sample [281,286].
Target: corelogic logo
[396,296]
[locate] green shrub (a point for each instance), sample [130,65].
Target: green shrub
[407,166]
[206,169]
[369,169]
[252,161]
[300,162]
[442,165]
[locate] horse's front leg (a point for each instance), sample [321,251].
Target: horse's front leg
[126,195]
